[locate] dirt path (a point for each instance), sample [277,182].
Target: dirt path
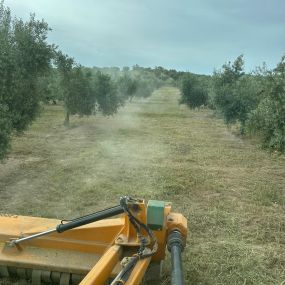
[231,191]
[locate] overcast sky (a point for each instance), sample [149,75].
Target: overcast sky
[190,35]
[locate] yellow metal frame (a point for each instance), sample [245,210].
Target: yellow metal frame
[93,250]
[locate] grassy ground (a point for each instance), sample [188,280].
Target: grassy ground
[231,192]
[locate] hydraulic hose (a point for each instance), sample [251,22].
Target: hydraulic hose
[175,245]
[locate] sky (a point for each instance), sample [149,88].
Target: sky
[188,35]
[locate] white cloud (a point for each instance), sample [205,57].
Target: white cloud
[190,35]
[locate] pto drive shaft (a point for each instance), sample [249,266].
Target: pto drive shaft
[78,222]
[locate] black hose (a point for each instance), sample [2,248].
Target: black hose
[125,273]
[175,245]
[106,213]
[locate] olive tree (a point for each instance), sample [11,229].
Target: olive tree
[268,119]
[107,100]
[235,93]
[84,93]
[126,87]
[192,92]
[25,55]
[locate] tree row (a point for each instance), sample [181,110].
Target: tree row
[254,101]
[33,72]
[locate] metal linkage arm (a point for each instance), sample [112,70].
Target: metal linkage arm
[78,222]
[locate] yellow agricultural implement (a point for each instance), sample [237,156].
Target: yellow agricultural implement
[97,248]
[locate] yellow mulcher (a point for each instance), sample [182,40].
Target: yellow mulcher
[97,248]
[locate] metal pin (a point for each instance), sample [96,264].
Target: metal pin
[19,240]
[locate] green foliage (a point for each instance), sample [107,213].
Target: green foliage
[236,100]
[78,96]
[80,99]
[126,87]
[49,87]
[24,56]
[85,93]
[5,131]
[192,92]
[230,73]
[256,101]
[147,82]
[107,100]
[145,87]
[139,81]
[235,94]
[268,120]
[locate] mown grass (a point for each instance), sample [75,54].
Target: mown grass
[231,191]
